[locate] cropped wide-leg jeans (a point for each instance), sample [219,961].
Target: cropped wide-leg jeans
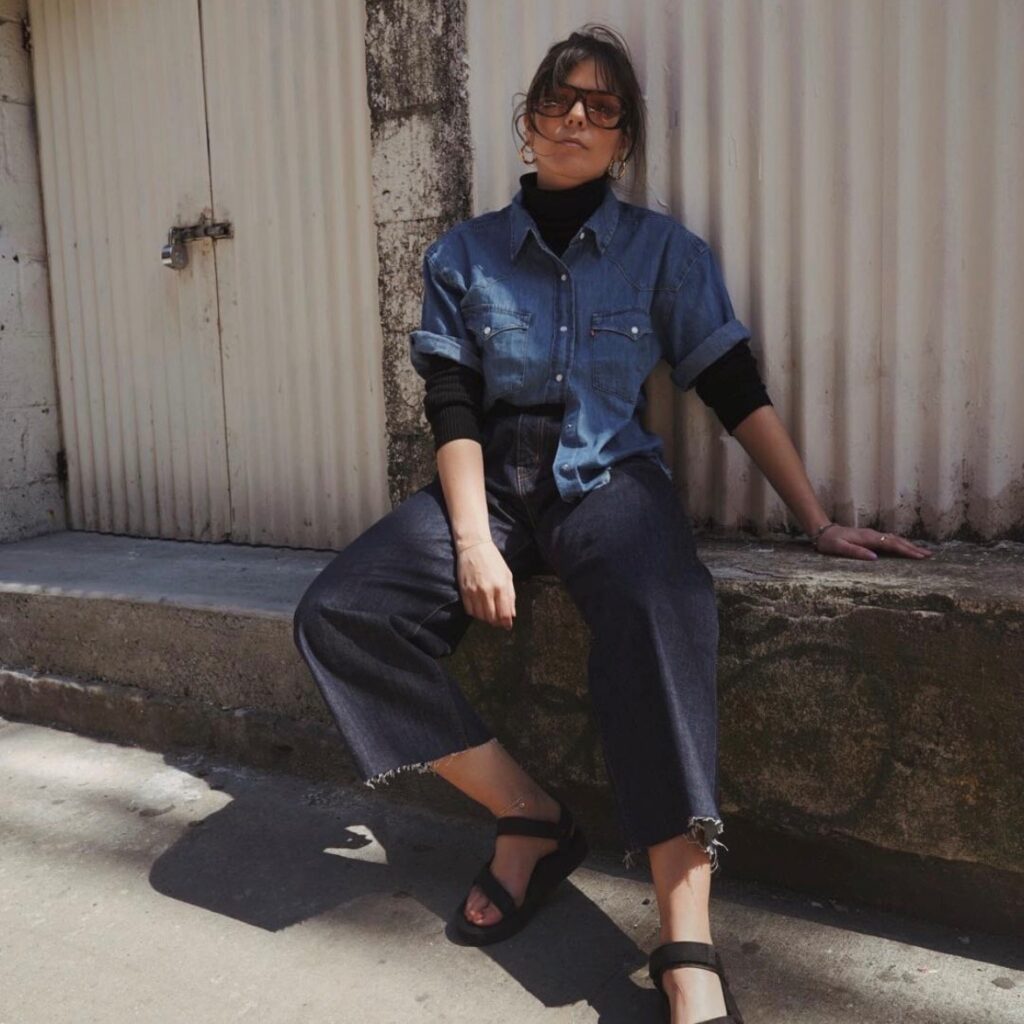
[375,625]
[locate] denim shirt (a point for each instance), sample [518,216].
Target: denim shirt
[585,329]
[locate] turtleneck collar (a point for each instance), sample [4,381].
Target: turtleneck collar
[560,213]
[559,203]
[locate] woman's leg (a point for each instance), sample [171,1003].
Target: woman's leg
[627,557]
[681,871]
[372,626]
[491,776]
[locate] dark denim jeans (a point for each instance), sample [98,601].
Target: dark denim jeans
[374,623]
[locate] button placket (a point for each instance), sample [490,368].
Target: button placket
[565,299]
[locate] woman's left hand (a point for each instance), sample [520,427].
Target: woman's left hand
[862,542]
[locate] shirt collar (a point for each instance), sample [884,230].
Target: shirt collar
[601,223]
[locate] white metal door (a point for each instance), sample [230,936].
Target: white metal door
[122,140]
[289,128]
[239,398]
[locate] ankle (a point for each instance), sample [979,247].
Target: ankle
[531,803]
[675,932]
[541,805]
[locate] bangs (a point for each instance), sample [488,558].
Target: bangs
[605,69]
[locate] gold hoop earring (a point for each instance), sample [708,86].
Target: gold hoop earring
[615,175]
[522,154]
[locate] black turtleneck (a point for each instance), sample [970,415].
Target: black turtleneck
[453,400]
[560,212]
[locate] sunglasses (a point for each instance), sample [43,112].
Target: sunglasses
[603,109]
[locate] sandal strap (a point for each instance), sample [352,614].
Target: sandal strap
[495,891]
[695,954]
[676,954]
[517,826]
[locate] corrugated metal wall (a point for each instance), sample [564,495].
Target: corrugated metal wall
[240,397]
[856,166]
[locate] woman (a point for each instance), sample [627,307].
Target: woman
[540,323]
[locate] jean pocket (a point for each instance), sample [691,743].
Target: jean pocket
[619,340]
[503,336]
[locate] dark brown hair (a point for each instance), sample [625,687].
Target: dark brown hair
[614,68]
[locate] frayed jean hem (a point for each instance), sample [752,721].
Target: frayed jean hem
[703,831]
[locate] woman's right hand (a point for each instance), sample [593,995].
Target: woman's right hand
[485,582]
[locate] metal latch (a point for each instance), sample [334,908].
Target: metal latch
[175,255]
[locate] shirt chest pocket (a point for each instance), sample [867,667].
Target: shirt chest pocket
[503,337]
[620,341]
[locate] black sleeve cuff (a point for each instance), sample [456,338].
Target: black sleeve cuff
[453,401]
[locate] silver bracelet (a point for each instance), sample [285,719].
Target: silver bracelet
[459,551]
[819,532]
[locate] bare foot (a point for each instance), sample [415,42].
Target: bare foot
[514,860]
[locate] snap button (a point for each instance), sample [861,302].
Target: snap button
[632,330]
[563,328]
[487,330]
[582,235]
[563,277]
[558,376]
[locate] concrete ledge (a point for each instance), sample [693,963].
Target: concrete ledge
[870,713]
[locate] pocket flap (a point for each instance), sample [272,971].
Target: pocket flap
[633,323]
[486,321]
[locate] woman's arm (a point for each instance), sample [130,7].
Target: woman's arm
[485,579]
[460,465]
[766,440]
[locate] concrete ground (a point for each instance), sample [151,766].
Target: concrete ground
[137,886]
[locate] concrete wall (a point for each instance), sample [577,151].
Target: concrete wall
[31,495]
[869,712]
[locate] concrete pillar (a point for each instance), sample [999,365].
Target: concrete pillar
[419,123]
[31,491]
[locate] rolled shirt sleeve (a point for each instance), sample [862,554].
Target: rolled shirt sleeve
[442,329]
[701,324]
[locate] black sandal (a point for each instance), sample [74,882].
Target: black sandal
[548,872]
[697,954]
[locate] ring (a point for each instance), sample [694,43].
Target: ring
[880,539]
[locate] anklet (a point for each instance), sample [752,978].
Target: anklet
[518,802]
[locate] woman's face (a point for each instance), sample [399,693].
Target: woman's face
[562,164]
